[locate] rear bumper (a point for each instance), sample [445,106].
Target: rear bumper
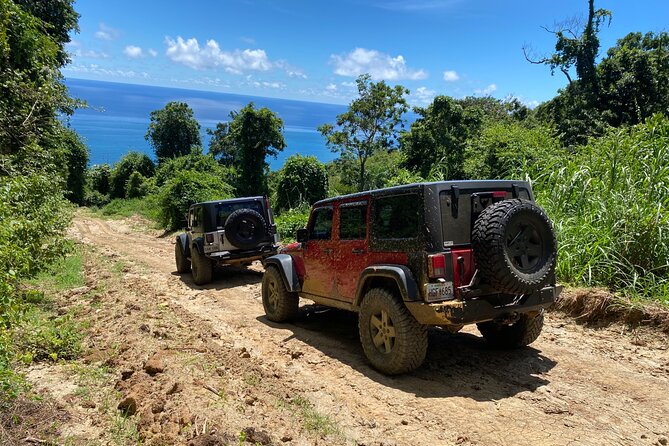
[239,256]
[457,312]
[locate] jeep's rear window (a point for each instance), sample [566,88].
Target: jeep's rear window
[353,221]
[225,209]
[397,216]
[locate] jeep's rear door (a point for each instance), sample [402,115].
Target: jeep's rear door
[351,252]
[318,253]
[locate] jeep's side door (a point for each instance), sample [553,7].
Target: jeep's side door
[351,252]
[318,253]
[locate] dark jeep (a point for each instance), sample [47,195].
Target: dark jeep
[446,254]
[236,231]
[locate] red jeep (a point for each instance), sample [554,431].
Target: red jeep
[446,253]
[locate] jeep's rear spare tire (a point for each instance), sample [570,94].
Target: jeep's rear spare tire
[514,246]
[245,228]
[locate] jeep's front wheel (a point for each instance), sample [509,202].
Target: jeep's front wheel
[393,341]
[519,334]
[203,268]
[183,265]
[279,303]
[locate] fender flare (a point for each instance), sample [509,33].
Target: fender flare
[402,275]
[183,239]
[198,244]
[284,263]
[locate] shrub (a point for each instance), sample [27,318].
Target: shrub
[131,162]
[195,161]
[290,221]
[302,179]
[99,178]
[133,188]
[185,188]
[40,338]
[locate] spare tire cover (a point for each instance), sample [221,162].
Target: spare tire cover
[245,228]
[514,246]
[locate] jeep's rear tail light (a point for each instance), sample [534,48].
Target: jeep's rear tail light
[436,264]
[499,194]
[209,238]
[267,205]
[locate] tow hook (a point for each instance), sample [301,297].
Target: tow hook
[508,319]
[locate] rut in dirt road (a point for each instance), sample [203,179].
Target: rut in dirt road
[574,385]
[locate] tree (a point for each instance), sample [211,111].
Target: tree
[99,178]
[435,144]
[245,142]
[302,179]
[173,131]
[131,162]
[76,161]
[195,161]
[370,124]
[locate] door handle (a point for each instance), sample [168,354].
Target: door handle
[327,250]
[357,251]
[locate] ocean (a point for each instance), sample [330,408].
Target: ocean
[117,118]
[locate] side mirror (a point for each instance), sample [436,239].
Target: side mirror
[302,235]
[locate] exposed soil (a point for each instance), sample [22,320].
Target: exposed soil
[203,366]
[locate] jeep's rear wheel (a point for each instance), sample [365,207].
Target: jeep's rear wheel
[203,268]
[183,265]
[514,246]
[279,303]
[393,341]
[519,334]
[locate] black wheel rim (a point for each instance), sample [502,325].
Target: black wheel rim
[525,246]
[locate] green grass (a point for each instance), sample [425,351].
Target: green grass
[312,420]
[146,207]
[64,274]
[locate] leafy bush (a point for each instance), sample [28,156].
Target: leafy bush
[131,162]
[99,178]
[302,179]
[133,188]
[185,188]
[146,206]
[94,198]
[290,221]
[195,161]
[40,338]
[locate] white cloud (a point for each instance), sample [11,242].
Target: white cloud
[378,65]
[77,50]
[332,88]
[290,70]
[133,52]
[349,84]
[451,76]
[276,85]
[152,52]
[487,90]
[96,69]
[422,96]
[105,32]
[189,53]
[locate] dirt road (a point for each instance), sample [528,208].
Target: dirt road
[309,382]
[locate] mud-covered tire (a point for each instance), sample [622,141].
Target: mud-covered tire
[519,334]
[393,341]
[514,246]
[280,304]
[203,268]
[245,228]
[183,264]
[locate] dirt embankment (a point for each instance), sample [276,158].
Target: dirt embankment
[201,365]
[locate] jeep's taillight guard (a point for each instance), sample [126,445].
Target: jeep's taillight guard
[436,264]
[209,237]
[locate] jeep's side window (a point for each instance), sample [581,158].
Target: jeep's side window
[397,217]
[197,217]
[353,222]
[321,224]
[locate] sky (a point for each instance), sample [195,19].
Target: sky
[314,50]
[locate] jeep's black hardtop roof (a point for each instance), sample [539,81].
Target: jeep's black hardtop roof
[461,184]
[227,200]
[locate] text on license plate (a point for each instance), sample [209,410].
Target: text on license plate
[439,291]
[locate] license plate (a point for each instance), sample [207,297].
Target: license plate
[439,291]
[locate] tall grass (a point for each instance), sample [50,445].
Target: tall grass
[609,203]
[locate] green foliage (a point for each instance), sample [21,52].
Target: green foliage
[173,131]
[370,124]
[290,221]
[185,188]
[134,186]
[130,163]
[507,149]
[302,179]
[610,202]
[63,274]
[245,142]
[146,206]
[195,161]
[98,178]
[76,160]
[39,337]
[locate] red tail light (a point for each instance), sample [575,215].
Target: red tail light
[209,238]
[499,194]
[436,264]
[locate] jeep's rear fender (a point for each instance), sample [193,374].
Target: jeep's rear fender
[284,263]
[395,277]
[183,239]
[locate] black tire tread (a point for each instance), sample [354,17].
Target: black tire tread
[231,235]
[413,345]
[288,301]
[203,268]
[524,332]
[183,265]
[488,239]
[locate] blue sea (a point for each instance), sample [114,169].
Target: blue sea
[117,118]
